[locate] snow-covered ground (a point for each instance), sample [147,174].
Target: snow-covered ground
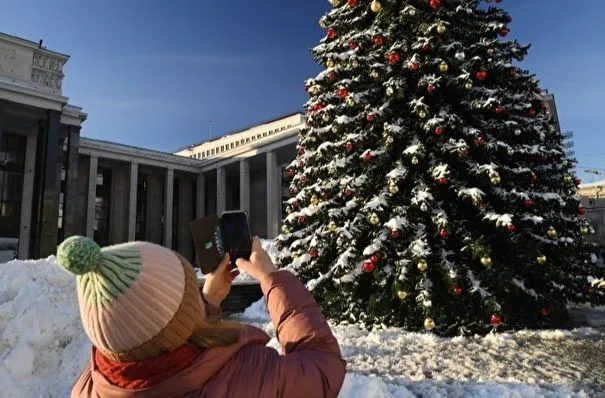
[43,349]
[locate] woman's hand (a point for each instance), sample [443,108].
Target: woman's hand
[260,264]
[218,283]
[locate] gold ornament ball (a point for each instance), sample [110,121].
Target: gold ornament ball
[402,294]
[314,200]
[393,187]
[422,114]
[541,260]
[374,73]
[422,265]
[288,210]
[390,91]
[486,261]
[495,180]
[354,63]
[389,141]
[323,24]
[332,227]
[330,63]
[429,324]
[468,85]
[568,178]
[334,2]
[490,51]
[443,67]
[441,29]
[584,231]
[285,230]
[376,6]
[551,232]
[350,102]
[415,160]
[374,219]
[327,117]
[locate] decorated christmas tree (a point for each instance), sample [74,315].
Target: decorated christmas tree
[431,189]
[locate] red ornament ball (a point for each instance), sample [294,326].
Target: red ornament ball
[414,66]
[374,258]
[479,141]
[331,33]
[295,204]
[511,227]
[528,203]
[534,177]
[458,291]
[577,181]
[495,320]
[353,44]
[347,192]
[435,4]
[393,57]
[292,191]
[304,178]
[498,1]
[431,88]
[370,117]
[442,180]
[378,40]
[368,266]
[352,3]
[499,109]
[367,156]
[291,173]
[424,48]
[481,75]
[439,131]
[318,107]
[313,253]
[301,218]
[512,73]
[300,150]
[301,163]
[443,233]
[532,112]
[331,75]
[343,93]
[349,146]
[395,233]
[545,311]
[504,32]
[280,248]
[581,210]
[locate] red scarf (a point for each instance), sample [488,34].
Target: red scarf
[146,373]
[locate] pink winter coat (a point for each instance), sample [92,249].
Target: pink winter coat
[311,367]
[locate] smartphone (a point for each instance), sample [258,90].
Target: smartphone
[213,236]
[236,234]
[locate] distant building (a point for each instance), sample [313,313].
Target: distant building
[592,196]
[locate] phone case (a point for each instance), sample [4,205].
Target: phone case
[208,242]
[241,252]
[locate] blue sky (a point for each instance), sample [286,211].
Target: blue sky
[153,73]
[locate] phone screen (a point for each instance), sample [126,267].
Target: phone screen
[236,233]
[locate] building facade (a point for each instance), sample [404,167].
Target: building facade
[55,183]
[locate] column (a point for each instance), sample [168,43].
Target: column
[2,120]
[27,196]
[221,190]
[200,200]
[92,195]
[49,214]
[132,201]
[71,182]
[244,185]
[169,184]
[272,198]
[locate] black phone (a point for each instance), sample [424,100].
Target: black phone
[236,234]
[213,236]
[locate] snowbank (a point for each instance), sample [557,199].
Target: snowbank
[43,349]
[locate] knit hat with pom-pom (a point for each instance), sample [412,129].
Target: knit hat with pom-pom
[137,300]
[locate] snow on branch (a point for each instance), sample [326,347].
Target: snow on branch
[500,219]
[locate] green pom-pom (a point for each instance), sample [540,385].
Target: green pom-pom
[78,255]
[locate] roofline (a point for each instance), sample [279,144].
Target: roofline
[592,184]
[275,119]
[32,44]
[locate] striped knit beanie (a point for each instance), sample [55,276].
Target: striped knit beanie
[137,300]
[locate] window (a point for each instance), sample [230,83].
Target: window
[12,160]
[140,232]
[222,148]
[101,224]
[247,139]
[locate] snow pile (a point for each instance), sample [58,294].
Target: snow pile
[43,349]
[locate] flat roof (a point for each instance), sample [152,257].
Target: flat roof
[275,119]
